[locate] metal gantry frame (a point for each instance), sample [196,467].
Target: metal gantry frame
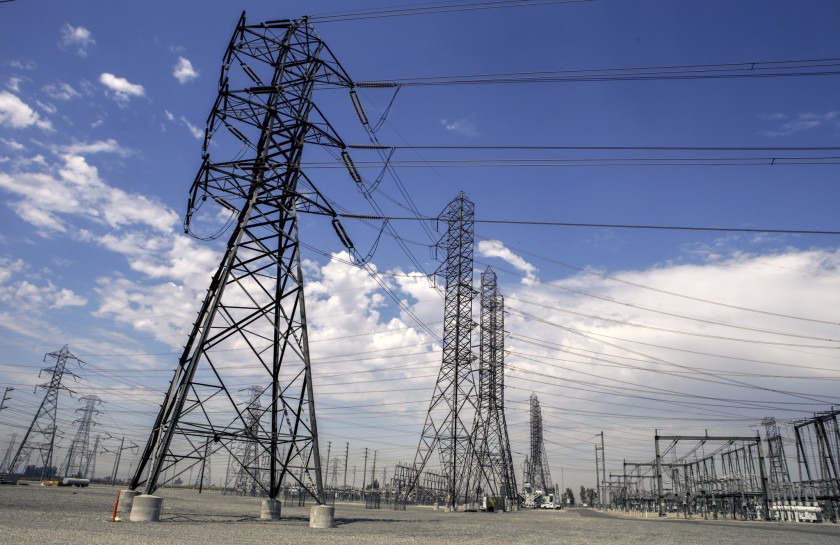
[253,316]
[449,420]
[739,477]
[818,452]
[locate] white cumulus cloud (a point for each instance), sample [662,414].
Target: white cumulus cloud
[61,91]
[78,37]
[16,114]
[495,248]
[121,88]
[184,71]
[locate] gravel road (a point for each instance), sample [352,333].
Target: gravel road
[61,516]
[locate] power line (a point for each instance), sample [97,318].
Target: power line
[596,148]
[590,162]
[760,69]
[430,9]
[604,225]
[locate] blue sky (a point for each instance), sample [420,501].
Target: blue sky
[102,110]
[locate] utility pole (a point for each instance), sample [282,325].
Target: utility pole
[41,433]
[364,474]
[373,472]
[329,446]
[5,397]
[346,456]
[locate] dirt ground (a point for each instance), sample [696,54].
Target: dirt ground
[53,515]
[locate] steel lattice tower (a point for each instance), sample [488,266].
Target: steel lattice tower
[253,316]
[452,410]
[538,474]
[41,433]
[205,475]
[776,453]
[77,462]
[246,459]
[493,472]
[8,456]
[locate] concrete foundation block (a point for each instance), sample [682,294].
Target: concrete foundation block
[126,500]
[146,508]
[322,516]
[270,510]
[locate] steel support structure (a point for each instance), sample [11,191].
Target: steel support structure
[492,471]
[818,449]
[77,462]
[452,410]
[41,434]
[253,318]
[538,473]
[7,458]
[739,474]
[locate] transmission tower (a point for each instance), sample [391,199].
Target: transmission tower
[41,433]
[253,317]
[776,453]
[205,476]
[77,462]
[90,468]
[8,456]
[493,473]
[246,457]
[449,420]
[538,474]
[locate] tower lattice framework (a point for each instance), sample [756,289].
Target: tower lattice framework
[493,473]
[776,458]
[253,318]
[538,473]
[449,421]
[246,462]
[7,458]
[40,437]
[78,459]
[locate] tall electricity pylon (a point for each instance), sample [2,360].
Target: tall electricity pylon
[41,433]
[77,462]
[452,410]
[538,473]
[205,475]
[253,318]
[492,471]
[246,458]
[8,456]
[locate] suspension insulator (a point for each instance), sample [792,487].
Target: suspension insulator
[351,168]
[342,234]
[357,105]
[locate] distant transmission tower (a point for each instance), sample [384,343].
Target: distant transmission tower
[8,456]
[247,455]
[493,473]
[538,474]
[253,317]
[449,420]
[40,436]
[205,476]
[77,462]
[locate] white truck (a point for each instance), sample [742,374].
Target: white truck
[551,502]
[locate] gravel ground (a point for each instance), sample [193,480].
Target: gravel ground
[48,515]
